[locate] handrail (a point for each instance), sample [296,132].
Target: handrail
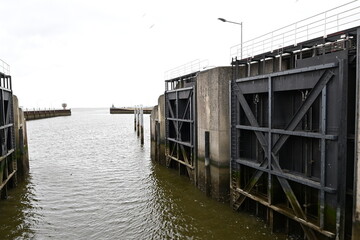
[187,68]
[4,67]
[320,25]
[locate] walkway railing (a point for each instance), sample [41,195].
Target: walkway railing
[4,67]
[334,20]
[187,68]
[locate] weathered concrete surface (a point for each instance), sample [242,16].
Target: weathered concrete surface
[157,124]
[213,116]
[153,133]
[21,149]
[161,118]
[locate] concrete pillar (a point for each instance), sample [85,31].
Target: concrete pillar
[213,117]
[153,133]
[162,126]
[22,158]
[158,132]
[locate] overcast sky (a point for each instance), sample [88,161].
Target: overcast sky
[95,53]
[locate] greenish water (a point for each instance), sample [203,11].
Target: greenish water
[91,179]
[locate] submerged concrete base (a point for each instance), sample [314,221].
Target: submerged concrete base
[356,230]
[213,117]
[219,180]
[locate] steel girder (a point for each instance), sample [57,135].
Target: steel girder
[263,139]
[180,144]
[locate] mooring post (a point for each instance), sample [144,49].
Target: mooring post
[138,121]
[135,118]
[141,125]
[207,164]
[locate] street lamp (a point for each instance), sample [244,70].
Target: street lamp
[241,24]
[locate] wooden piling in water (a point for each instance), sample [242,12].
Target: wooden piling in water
[141,126]
[138,121]
[135,119]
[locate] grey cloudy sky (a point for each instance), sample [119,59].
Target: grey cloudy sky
[94,53]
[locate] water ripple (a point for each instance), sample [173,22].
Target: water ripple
[91,179]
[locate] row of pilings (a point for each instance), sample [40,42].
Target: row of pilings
[139,122]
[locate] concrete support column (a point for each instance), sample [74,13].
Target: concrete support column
[213,117]
[22,158]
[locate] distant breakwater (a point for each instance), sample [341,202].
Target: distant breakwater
[128,110]
[40,114]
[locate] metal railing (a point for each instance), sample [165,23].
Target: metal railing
[187,68]
[4,67]
[334,20]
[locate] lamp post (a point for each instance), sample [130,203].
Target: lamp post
[241,24]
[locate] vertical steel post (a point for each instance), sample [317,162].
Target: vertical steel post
[270,187]
[135,118]
[141,125]
[342,151]
[138,121]
[157,136]
[322,156]
[207,164]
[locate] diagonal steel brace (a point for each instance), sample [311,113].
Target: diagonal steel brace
[321,83]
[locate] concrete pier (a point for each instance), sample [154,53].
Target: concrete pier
[213,117]
[40,114]
[114,110]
